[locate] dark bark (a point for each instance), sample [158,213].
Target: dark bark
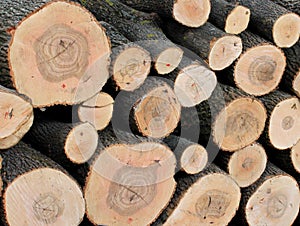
[292,5]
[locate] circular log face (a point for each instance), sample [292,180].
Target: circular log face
[131,68]
[194,84]
[157,115]
[247,165]
[192,13]
[168,60]
[275,202]
[56,53]
[285,124]
[238,20]
[224,52]
[239,124]
[260,69]
[212,200]
[130,184]
[296,84]
[44,197]
[286,30]
[295,155]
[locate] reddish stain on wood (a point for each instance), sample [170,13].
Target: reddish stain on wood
[130,220]
[168,65]
[63,86]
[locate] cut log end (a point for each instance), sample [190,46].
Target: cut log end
[275,202]
[212,200]
[59,58]
[133,184]
[194,84]
[286,30]
[97,110]
[238,20]
[295,156]
[192,13]
[284,124]
[247,165]
[131,68]
[158,113]
[16,118]
[81,143]
[194,159]
[168,60]
[239,124]
[224,52]
[42,197]
[296,84]
[259,70]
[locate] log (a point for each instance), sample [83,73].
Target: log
[129,183]
[273,200]
[59,58]
[208,198]
[16,117]
[291,5]
[191,157]
[210,43]
[193,81]
[37,191]
[130,63]
[11,13]
[141,28]
[259,69]
[245,166]
[153,110]
[278,24]
[66,143]
[291,76]
[282,127]
[231,18]
[230,118]
[288,160]
[192,13]
[97,111]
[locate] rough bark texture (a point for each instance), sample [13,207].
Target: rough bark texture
[137,26]
[203,40]
[292,5]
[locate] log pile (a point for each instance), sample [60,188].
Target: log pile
[141,112]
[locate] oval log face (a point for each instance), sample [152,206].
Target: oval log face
[65,51]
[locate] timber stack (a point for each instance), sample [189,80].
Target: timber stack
[142,112]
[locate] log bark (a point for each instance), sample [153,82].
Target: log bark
[11,13]
[17,116]
[273,22]
[245,166]
[210,197]
[130,63]
[193,81]
[210,43]
[191,157]
[259,69]
[230,119]
[291,5]
[66,143]
[272,200]
[153,110]
[98,110]
[231,18]
[291,78]
[129,183]
[282,125]
[37,191]
[141,28]
[58,60]
[189,13]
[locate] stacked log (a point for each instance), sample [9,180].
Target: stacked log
[144,131]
